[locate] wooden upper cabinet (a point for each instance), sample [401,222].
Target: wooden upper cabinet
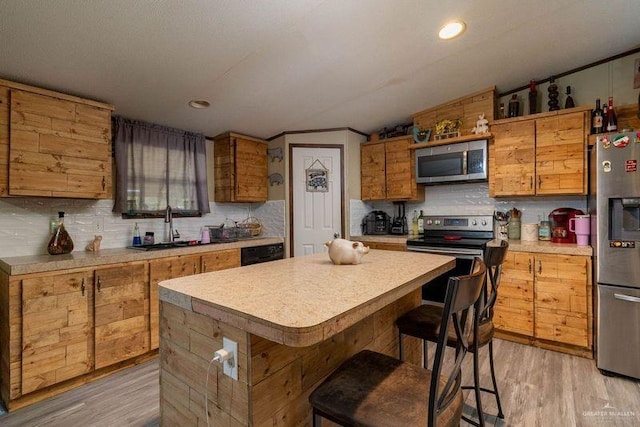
[513,158]
[53,146]
[240,168]
[561,157]
[387,170]
[544,154]
[372,171]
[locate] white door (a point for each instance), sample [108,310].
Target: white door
[317,215]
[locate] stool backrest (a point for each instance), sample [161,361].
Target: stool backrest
[463,292]
[493,258]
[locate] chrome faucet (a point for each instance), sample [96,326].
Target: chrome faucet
[168,219]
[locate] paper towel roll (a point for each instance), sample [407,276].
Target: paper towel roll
[529,232]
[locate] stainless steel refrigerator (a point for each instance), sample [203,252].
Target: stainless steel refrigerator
[614,204]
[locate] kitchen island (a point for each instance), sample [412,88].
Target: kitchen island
[294,320]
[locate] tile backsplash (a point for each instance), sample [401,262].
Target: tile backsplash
[468,199]
[24,223]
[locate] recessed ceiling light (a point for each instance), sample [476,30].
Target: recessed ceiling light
[199,103]
[452,29]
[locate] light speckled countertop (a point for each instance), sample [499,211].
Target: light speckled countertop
[537,246]
[304,300]
[79,258]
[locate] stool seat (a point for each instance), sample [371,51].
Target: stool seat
[424,322]
[373,389]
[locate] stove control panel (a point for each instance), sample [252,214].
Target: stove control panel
[459,223]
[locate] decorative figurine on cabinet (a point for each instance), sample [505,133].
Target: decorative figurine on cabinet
[482,125]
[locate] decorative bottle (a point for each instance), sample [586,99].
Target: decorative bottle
[514,106]
[553,95]
[60,242]
[533,97]
[597,119]
[502,116]
[137,241]
[568,103]
[414,223]
[612,120]
[421,223]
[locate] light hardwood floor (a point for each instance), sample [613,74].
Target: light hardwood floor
[538,388]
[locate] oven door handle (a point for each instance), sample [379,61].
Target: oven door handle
[453,252]
[464,162]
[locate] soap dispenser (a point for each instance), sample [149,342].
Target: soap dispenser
[137,241]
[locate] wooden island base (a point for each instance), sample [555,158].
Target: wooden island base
[274,380]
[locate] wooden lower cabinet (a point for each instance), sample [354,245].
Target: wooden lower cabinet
[57,328]
[121,313]
[165,269]
[181,266]
[220,260]
[61,329]
[514,305]
[546,297]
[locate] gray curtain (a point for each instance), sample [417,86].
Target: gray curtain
[158,166]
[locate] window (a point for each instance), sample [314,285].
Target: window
[158,167]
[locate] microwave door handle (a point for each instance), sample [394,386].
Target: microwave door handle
[464,162]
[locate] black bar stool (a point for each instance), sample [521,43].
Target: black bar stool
[373,389]
[423,322]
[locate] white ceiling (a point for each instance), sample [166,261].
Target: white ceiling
[283,65]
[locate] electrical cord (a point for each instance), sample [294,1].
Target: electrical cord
[220,356]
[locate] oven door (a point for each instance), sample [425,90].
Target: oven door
[434,291]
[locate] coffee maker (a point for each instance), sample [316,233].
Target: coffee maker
[559,220]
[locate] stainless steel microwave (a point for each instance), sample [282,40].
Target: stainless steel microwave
[453,163]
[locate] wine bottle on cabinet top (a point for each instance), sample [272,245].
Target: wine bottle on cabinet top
[612,120]
[597,119]
[533,97]
[568,103]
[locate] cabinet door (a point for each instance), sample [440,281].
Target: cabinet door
[372,171]
[4,141]
[561,154]
[58,148]
[220,260]
[400,170]
[513,158]
[57,325]
[165,269]
[514,304]
[562,298]
[121,313]
[250,170]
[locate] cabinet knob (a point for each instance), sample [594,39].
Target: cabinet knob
[99,283]
[82,287]
[539,267]
[539,182]
[194,268]
[529,265]
[204,266]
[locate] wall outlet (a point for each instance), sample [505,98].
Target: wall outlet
[230,367]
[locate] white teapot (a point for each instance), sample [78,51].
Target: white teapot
[342,251]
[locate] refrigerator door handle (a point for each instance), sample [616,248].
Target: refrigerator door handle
[626,298]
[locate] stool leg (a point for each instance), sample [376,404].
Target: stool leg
[493,378]
[400,353]
[476,386]
[317,419]
[425,354]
